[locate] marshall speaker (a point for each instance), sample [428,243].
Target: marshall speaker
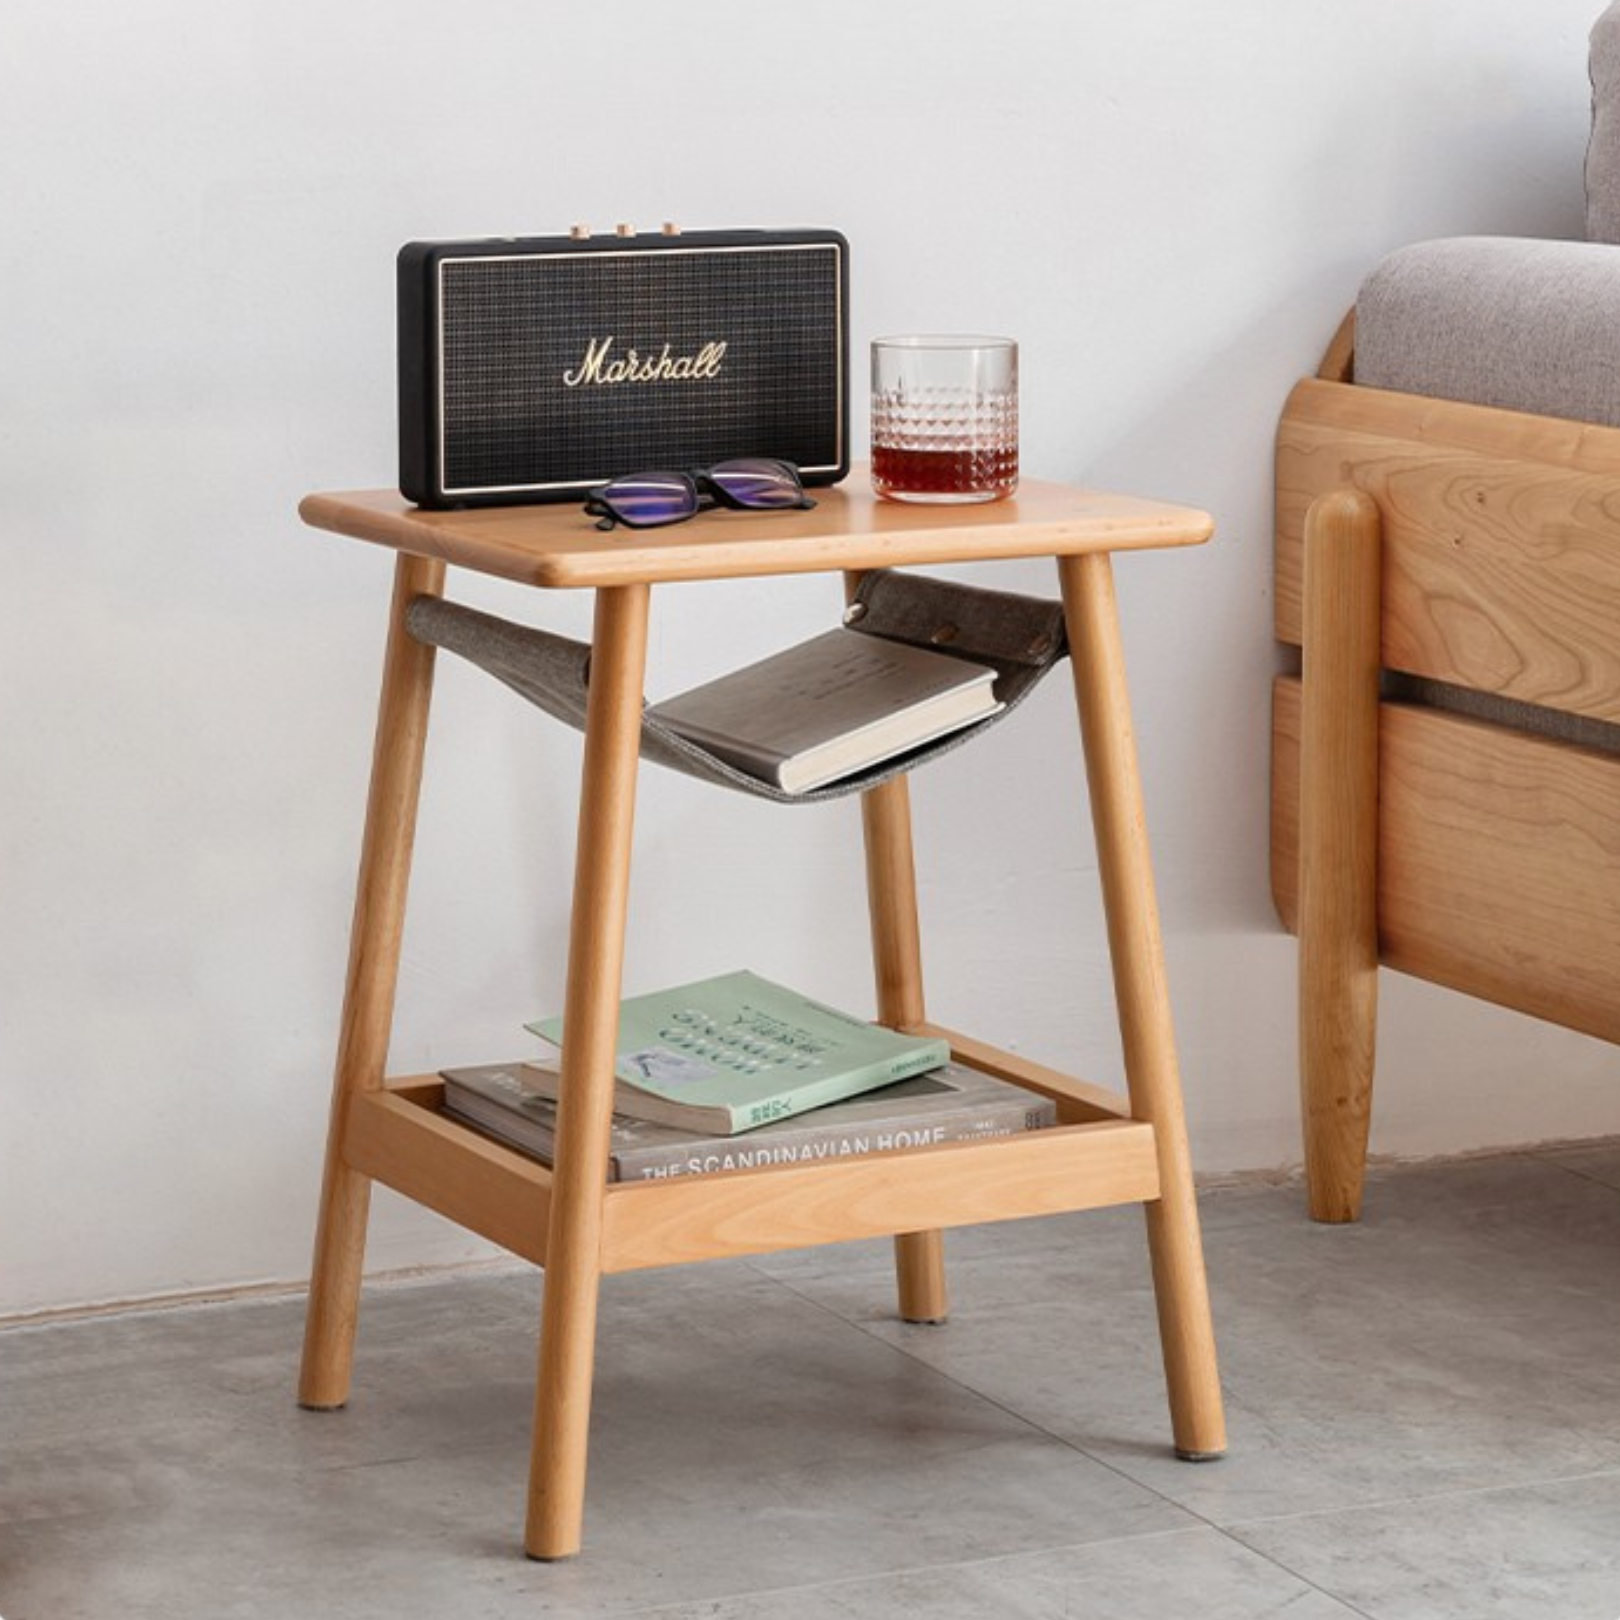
[533,369]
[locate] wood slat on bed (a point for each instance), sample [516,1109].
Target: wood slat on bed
[1498,860]
[1501,538]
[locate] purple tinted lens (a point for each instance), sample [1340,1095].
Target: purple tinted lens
[648,498]
[759,481]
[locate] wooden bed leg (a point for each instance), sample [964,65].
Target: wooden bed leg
[1338,847]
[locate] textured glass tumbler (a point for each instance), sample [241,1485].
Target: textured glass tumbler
[945,418]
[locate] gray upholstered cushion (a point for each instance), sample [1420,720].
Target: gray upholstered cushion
[1603,149]
[1490,320]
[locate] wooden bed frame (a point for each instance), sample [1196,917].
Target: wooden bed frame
[1444,550]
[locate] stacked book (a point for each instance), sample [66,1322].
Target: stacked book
[736,1072]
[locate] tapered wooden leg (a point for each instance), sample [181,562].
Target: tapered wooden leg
[368,1000]
[891,888]
[1185,1329]
[585,1107]
[1338,847]
[891,894]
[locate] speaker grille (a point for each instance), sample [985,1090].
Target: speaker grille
[514,327]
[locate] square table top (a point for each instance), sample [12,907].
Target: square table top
[850,528]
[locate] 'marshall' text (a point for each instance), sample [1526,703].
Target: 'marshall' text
[599,366]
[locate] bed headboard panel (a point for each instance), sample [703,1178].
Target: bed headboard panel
[1498,850]
[1501,538]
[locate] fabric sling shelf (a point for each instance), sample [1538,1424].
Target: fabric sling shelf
[1020,637]
[1107,1148]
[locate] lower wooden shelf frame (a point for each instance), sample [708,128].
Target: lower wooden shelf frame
[399,1136]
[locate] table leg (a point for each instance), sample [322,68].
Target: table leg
[368,1000]
[891,887]
[585,1107]
[1185,1329]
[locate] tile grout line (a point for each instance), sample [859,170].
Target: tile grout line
[1305,1580]
[1551,1158]
[1114,1468]
[874,1577]
[1201,1520]
[1295,1574]
[1008,1411]
[989,1400]
[879,1331]
[1384,1503]
[1235,1534]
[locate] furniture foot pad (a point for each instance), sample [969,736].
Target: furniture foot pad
[322,1406]
[925,1321]
[1200,1456]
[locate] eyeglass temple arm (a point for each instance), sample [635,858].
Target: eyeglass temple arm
[601,511]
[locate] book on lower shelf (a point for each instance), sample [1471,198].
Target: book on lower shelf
[736,1052]
[831,706]
[516,1104]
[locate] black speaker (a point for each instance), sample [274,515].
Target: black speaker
[531,369]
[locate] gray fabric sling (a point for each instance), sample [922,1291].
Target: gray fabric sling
[1020,637]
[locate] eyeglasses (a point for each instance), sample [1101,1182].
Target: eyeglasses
[650,499]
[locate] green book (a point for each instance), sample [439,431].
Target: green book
[735,1052]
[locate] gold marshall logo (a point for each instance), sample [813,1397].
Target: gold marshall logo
[597,367]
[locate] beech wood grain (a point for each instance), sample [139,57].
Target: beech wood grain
[1501,538]
[891,888]
[1077,1100]
[368,997]
[1498,860]
[569,1217]
[850,528]
[1142,996]
[891,895]
[562,1404]
[1338,848]
[662,1223]
[399,1137]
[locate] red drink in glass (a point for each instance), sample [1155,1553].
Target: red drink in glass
[968,474]
[944,418]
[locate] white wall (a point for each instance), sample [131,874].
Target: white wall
[1170,203]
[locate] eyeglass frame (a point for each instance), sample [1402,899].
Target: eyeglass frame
[707,494]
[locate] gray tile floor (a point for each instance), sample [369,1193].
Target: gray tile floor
[1425,1415]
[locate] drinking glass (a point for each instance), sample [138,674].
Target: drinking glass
[944,418]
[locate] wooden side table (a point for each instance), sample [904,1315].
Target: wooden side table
[1106,1149]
